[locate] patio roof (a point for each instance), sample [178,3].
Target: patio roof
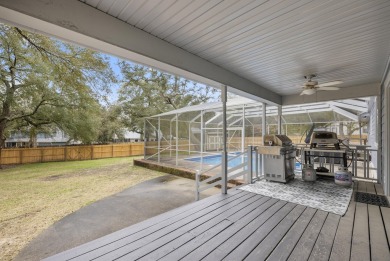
[260,48]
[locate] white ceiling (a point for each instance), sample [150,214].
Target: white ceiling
[271,43]
[258,48]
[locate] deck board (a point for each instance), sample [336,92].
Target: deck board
[360,249]
[249,243]
[235,240]
[362,187]
[245,223]
[305,244]
[245,226]
[188,209]
[370,188]
[379,189]
[240,209]
[378,240]
[386,221]
[265,248]
[249,213]
[134,247]
[287,244]
[324,243]
[341,249]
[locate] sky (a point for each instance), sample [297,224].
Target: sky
[113,60]
[115,87]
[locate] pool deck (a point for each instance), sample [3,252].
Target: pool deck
[168,165]
[242,225]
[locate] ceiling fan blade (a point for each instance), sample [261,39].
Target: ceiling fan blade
[326,84]
[329,88]
[308,92]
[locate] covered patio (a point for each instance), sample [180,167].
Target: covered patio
[260,50]
[242,225]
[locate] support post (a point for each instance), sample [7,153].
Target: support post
[279,119]
[379,139]
[177,139]
[170,138]
[243,130]
[145,138]
[224,137]
[158,140]
[257,164]
[197,183]
[248,178]
[201,140]
[263,132]
[189,138]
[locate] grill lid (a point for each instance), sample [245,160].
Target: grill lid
[277,140]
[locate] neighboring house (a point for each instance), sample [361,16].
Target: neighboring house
[59,138]
[129,136]
[19,139]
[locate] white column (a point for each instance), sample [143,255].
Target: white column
[263,132]
[264,122]
[145,138]
[243,130]
[170,138]
[386,139]
[158,140]
[189,138]
[177,139]
[201,140]
[224,137]
[279,119]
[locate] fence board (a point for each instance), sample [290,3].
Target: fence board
[88,152]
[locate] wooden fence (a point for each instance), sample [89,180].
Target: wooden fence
[69,153]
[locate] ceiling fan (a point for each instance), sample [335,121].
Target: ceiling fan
[311,86]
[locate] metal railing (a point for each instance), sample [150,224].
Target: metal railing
[360,161]
[248,169]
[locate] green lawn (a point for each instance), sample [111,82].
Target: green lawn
[34,196]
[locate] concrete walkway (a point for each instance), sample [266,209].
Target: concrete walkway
[113,213]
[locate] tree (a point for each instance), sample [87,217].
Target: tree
[45,82]
[111,125]
[146,92]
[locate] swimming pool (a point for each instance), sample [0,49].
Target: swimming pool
[217,159]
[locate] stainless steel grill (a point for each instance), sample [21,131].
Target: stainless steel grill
[279,158]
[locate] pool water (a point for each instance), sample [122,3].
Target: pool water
[217,159]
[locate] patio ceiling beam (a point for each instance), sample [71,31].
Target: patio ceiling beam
[345,113]
[80,23]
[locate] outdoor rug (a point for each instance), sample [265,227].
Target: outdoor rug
[321,194]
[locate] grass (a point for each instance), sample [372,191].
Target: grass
[34,196]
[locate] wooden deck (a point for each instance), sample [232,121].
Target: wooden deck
[243,225]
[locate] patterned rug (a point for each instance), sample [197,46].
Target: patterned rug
[322,194]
